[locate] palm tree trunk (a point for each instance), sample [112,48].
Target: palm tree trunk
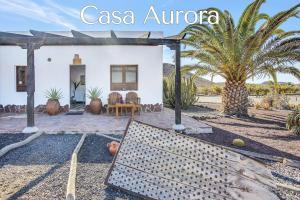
[235,98]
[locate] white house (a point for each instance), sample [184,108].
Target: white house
[120,68]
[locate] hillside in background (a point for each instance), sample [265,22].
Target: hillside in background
[200,82]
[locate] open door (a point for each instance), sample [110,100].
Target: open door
[77,87]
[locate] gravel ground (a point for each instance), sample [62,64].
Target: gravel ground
[285,175]
[6,139]
[201,112]
[263,132]
[38,170]
[94,162]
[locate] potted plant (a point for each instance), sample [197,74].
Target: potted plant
[95,103]
[53,95]
[75,85]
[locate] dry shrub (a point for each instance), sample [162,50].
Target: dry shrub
[277,101]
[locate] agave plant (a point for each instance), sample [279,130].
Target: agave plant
[188,92]
[241,51]
[53,94]
[94,93]
[293,122]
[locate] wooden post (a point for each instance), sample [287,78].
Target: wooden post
[30,85]
[177,85]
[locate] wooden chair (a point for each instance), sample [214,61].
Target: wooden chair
[132,97]
[113,99]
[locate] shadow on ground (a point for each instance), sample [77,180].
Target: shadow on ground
[224,137]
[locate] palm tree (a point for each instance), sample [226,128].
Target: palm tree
[271,71]
[239,52]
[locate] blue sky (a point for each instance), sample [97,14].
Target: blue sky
[22,15]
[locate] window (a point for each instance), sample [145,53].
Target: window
[21,78]
[123,77]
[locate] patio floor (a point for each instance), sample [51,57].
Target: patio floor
[88,123]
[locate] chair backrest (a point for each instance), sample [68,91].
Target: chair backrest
[114,98]
[132,97]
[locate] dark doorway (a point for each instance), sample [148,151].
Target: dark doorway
[77,87]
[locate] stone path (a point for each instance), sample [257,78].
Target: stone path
[88,123]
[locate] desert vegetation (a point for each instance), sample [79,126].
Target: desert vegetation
[243,50]
[188,92]
[254,89]
[293,122]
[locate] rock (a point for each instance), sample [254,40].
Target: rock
[65,108]
[40,108]
[7,108]
[22,108]
[13,108]
[87,108]
[157,107]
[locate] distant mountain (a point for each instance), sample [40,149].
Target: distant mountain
[280,83]
[169,68]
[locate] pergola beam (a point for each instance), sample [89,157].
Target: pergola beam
[12,35]
[65,41]
[77,34]
[41,34]
[113,35]
[148,34]
[30,85]
[178,126]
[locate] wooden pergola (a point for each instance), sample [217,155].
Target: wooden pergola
[38,39]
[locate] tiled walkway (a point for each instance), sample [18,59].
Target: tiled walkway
[88,123]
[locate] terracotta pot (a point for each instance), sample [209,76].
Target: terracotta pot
[95,106]
[52,107]
[113,147]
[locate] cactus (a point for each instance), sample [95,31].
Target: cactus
[238,142]
[293,122]
[188,92]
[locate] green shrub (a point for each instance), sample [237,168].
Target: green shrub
[216,90]
[204,90]
[294,106]
[53,94]
[211,90]
[293,122]
[188,92]
[255,89]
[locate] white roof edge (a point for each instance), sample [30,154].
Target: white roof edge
[120,34]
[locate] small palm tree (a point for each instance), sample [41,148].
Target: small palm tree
[271,72]
[240,51]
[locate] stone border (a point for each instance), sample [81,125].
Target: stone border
[71,188]
[12,108]
[109,137]
[289,162]
[10,147]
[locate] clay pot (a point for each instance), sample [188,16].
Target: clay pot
[113,147]
[52,107]
[95,106]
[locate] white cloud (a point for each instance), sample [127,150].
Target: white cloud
[50,13]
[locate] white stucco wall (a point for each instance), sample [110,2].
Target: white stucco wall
[56,74]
